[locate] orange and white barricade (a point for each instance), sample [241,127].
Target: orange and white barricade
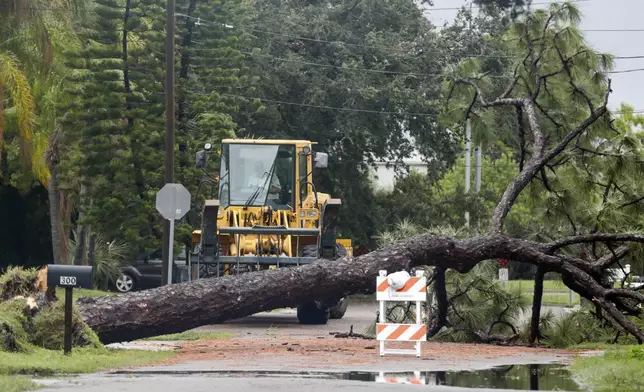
[414,290]
[415,380]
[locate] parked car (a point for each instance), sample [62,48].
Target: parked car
[145,272]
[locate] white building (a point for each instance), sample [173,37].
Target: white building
[384,177]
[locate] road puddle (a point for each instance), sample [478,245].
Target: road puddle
[514,377]
[551,377]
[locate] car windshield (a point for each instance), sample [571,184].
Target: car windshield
[249,174]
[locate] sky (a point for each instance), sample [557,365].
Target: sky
[596,14]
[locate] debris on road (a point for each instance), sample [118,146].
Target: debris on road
[351,335]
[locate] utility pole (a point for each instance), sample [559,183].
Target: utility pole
[169,128]
[477,186]
[468,165]
[468,147]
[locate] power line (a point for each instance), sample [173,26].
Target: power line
[383,47]
[615,30]
[477,6]
[354,109]
[627,71]
[315,64]
[206,22]
[357,110]
[329,107]
[363,69]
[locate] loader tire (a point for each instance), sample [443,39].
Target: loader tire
[313,313]
[338,310]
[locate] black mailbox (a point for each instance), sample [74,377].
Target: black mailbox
[71,276]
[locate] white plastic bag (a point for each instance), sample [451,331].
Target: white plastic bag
[398,279]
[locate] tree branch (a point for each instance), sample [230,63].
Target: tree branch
[522,143]
[605,261]
[537,161]
[594,237]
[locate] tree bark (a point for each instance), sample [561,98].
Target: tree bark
[440,290]
[535,333]
[179,307]
[53,193]
[79,253]
[58,237]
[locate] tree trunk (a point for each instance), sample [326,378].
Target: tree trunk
[92,249]
[66,209]
[54,215]
[535,333]
[440,290]
[79,254]
[179,307]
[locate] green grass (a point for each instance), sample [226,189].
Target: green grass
[555,293]
[192,335]
[619,369]
[82,360]
[17,384]
[593,346]
[528,285]
[60,293]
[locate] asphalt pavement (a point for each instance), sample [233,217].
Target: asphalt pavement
[278,330]
[199,383]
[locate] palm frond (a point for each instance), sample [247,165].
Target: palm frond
[19,89]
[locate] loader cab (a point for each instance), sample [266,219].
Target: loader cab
[254,175]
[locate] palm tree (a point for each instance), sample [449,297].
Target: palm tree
[34,32]
[14,81]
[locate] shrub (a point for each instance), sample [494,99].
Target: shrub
[18,281]
[49,329]
[13,326]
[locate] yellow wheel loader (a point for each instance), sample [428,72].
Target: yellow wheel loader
[269,215]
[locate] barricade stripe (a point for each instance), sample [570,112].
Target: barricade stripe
[411,332]
[399,331]
[419,334]
[409,285]
[419,287]
[413,284]
[383,286]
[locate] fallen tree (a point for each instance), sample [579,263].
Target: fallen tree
[178,307]
[549,139]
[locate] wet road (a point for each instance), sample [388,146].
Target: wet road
[283,322]
[281,343]
[208,384]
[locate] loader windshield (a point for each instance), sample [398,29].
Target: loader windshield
[257,175]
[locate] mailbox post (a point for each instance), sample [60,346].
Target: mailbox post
[69,277]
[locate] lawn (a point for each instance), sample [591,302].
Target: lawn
[82,360]
[555,293]
[528,285]
[17,384]
[618,369]
[60,293]
[16,368]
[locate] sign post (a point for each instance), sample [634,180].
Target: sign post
[504,273]
[173,202]
[503,276]
[69,277]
